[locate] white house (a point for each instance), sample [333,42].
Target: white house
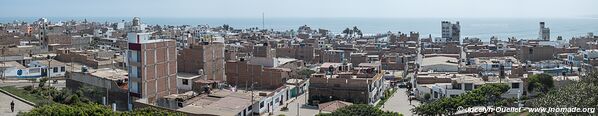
[460,83]
[52,68]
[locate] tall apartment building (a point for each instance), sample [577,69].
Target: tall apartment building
[205,59]
[152,67]
[544,32]
[451,32]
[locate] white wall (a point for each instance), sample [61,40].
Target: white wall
[181,87]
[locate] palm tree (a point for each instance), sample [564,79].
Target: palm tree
[357,31]
[346,31]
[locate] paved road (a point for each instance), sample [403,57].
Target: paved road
[5,105]
[303,111]
[399,103]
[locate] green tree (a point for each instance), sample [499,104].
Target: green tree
[360,110]
[580,94]
[487,94]
[70,110]
[540,82]
[92,109]
[427,96]
[347,31]
[42,82]
[357,31]
[150,111]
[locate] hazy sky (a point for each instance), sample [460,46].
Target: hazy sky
[300,8]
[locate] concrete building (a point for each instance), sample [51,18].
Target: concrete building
[452,32]
[544,33]
[110,84]
[152,67]
[230,102]
[440,85]
[440,64]
[50,68]
[80,41]
[338,81]
[302,52]
[91,58]
[13,69]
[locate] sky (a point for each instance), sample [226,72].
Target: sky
[301,8]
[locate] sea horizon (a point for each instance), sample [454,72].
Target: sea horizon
[483,28]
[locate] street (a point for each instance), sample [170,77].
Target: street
[5,105]
[303,111]
[399,103]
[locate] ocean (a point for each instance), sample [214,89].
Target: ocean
[483,28]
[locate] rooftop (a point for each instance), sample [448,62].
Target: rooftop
[110,73]
[439,60]
[225,103]
[52,62]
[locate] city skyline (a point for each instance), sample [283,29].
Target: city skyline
[304,9]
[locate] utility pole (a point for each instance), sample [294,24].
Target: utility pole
[48,68]
[297,94]
[3,65]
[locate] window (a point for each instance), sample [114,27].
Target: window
[134,56]
[55,69]
[261,104]
[468,86]
[134,72]
[134,87]
[62,69]
[337,85]
[515,85]
[456,85]
[185,82]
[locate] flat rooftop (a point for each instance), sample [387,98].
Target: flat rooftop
[110,73]
[187,75]
[228,103]
[439,60]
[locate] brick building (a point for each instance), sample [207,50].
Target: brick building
[264,72]
[152,67]
[535,53]
[338,81]
[206,59]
